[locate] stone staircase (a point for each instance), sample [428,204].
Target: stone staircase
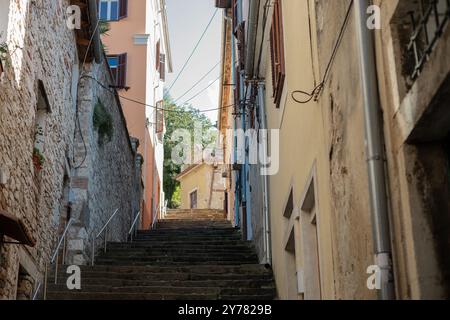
[191,255]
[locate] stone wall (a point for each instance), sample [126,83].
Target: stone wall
[106,175]
[41,47]
[87,184]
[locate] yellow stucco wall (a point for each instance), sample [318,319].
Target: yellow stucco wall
[302,125]
[199,179]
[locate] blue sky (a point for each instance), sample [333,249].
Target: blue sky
[187,20]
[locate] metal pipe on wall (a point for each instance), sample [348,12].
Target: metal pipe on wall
[266,222]
[375,152]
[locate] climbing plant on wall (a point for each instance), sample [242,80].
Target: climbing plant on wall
[103,123]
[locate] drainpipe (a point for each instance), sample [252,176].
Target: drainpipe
[251,37]
[266,221]
[375,154]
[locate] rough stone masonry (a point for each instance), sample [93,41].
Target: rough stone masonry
[80,177]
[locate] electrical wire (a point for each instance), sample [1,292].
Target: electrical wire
[193,51]
[113,91]
[202,78]
[203,90]
[77,120]
[314,94]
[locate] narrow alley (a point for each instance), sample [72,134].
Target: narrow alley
[214,150]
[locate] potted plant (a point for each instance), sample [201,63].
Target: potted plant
[38,159]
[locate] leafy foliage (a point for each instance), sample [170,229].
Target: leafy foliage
[178,117]
[103,122]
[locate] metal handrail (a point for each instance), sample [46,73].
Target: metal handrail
[54,258]
[63,237]
[36,291]
[94,238]
[107,223]
[130,233]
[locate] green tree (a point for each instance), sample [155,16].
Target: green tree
[178,117]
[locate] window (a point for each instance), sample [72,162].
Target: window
[162,67]
[160,61]
[113,10]
[118,66]
[4,16]
[193,199]
[310,241]
[420,25]
[277,53]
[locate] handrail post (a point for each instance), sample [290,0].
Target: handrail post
[56,268]
[64,251]
[133,230]
[45,281]
[106,236]
[93,250]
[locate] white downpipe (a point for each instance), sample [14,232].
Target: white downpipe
[266,212]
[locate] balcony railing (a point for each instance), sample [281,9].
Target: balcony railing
[428,23]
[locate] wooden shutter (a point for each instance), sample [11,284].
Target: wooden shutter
[162,67]
[122,71]
[277,53]
[158,53]
[123,9]
[241,45]
[1,67]
[235,16]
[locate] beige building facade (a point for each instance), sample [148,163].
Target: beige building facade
[302,71]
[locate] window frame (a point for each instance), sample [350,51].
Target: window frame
[191,194]
[122,10]
[120,75]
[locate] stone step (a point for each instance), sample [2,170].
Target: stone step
[230,282]
[158,253]
[133,278]
[193,269]
[211,290]
[199,247]
[64,295]
[224,231]
[139,296]
[177,258]
[191,255]
[192,224]
[168,262]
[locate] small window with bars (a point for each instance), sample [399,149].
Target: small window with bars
[425,22]
[118,66]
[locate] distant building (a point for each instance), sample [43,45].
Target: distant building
[139,56]
[202,187]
